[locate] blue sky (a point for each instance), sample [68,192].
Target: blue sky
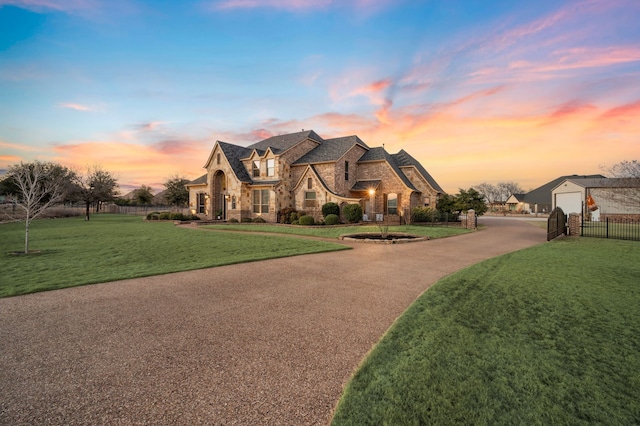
[477,91]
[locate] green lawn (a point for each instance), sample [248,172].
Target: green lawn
[547,335]
[336,231]
[112,247]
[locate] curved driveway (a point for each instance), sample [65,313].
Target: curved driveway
[268,342]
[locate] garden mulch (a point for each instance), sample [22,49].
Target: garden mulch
[269,342]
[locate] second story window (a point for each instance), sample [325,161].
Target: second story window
[309,183]
[256,168]
[346,170]
[218,159]
[271,167]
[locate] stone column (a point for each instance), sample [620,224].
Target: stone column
[471,219]
[575,221]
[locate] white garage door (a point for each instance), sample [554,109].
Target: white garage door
[570,202]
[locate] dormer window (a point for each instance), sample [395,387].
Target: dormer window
[256,168]
[271,167]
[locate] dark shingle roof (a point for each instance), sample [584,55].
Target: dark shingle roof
[542,194]
[379,154]
[234,153]
[403,159]
[607,182]
[330,150]
[283,142]
[199,181]
[365,185]
[519,197]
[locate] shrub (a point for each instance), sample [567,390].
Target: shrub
[331,219]
[164,216]
[177,216]
[423,214]
[330,208]
[259,220]
[352,213]
[293,216]
[295,222]
[285,214]
[153,216]
[195,217]
[306,220]
[246,220]
[233,220]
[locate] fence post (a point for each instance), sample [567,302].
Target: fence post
[574,224]
[471,219]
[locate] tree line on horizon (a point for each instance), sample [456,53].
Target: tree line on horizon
[36,186]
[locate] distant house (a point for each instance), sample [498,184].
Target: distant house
[304,171]
[516,203]
[599,198]
[540,200]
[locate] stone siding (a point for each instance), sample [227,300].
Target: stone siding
[390,184]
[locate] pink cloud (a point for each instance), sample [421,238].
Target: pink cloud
[628,111]
[572,109]
[77,107]
[291,5]
[299,5]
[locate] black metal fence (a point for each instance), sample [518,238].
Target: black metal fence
[616,228]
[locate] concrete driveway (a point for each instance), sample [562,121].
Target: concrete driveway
[269,342]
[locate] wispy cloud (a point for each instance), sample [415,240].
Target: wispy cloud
[14,146]
[299,5]
[68,6]
[291,5]
[77,107]
[151,125]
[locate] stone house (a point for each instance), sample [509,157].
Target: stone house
[304,171]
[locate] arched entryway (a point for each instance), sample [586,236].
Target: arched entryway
[219,189]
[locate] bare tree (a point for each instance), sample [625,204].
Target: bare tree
[624,189]
[491,192]
[507,189]
[38,186]
[624,169]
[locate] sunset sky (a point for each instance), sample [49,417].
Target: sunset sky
[477,91]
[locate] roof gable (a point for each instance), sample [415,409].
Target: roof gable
[379,154]
[282,143]
[403,159]
[331,150]
[234,153]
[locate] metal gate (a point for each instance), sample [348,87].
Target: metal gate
[557,224]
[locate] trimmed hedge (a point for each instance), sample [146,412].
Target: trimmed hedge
[330,208]
[306,220]
[171,216]
[331,219]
